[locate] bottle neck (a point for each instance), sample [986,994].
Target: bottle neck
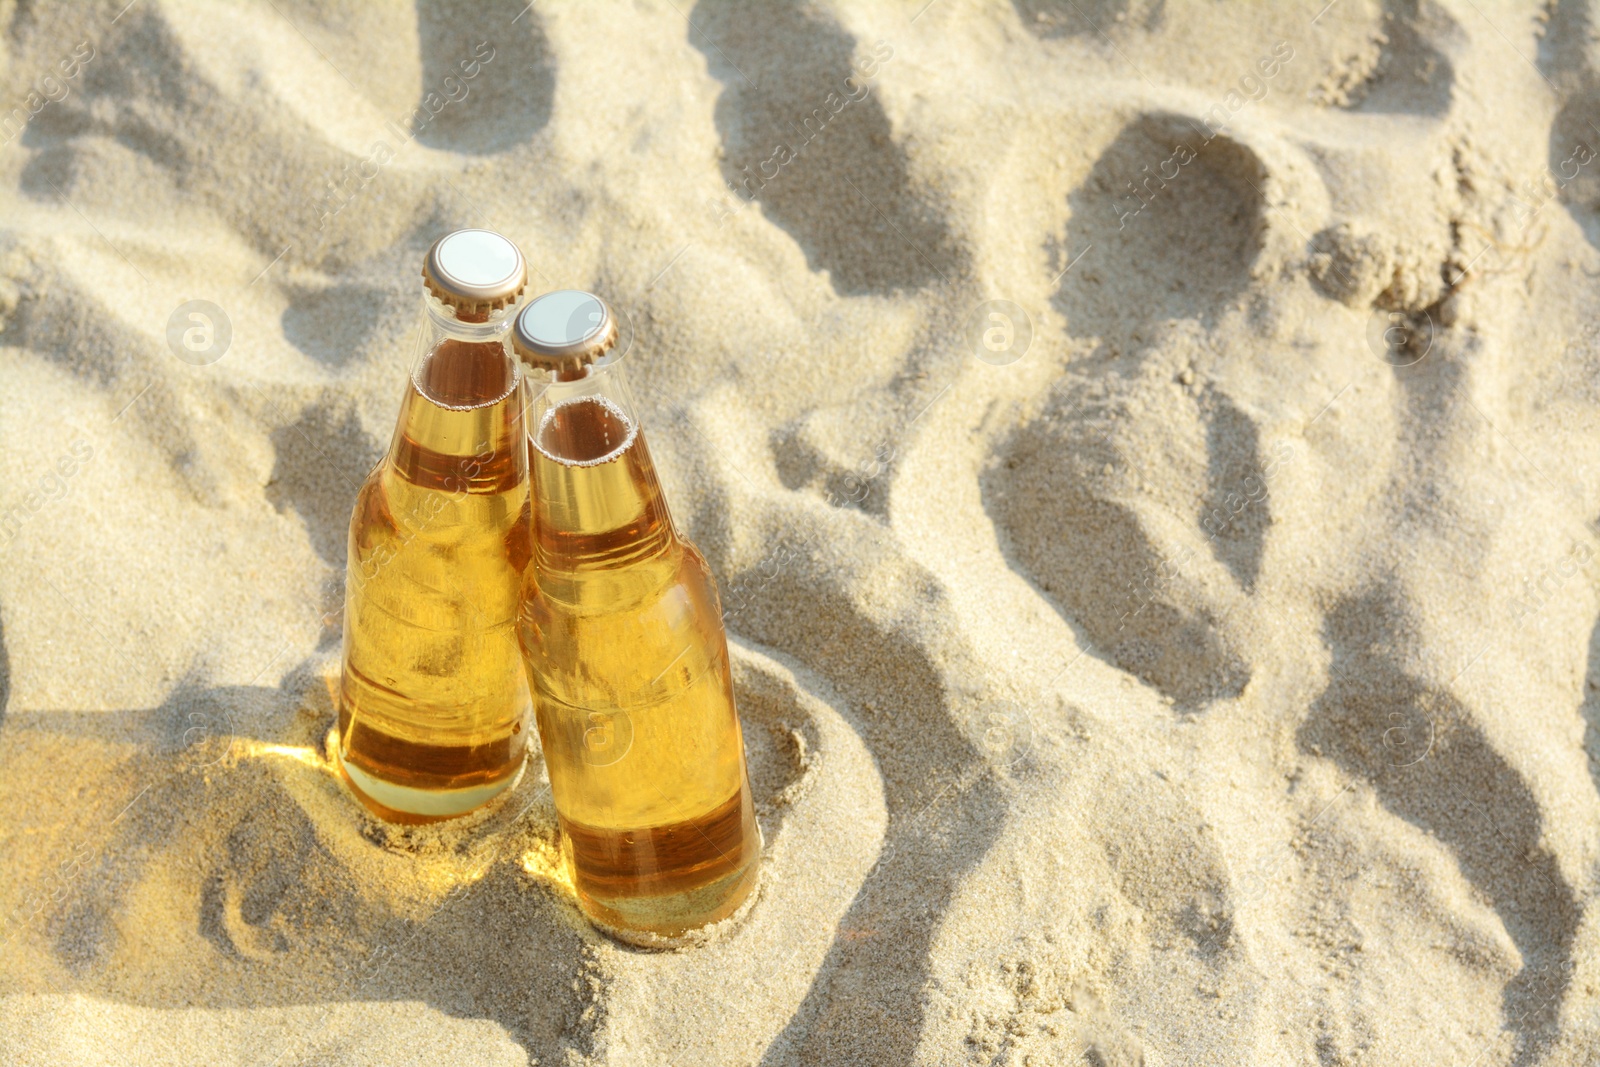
[598,501]
[464,359]
[460,428]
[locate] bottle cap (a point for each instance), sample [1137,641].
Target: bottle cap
[475,271]
[564,330]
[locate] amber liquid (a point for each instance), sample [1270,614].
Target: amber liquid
[434,696]
[629,664]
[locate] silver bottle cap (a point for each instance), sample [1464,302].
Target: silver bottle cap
[475,271]
[564,330]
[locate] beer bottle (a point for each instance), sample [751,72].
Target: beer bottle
[622,635]
[434,700]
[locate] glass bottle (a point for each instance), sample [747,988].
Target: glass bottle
[623,639]
[433,701]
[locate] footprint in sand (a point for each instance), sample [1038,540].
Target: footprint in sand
[805,137]
[1430,763]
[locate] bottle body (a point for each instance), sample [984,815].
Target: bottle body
[434,701]
[622,633]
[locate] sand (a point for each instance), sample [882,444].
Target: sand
[1196,663]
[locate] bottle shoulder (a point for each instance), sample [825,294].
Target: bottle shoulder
[634,585]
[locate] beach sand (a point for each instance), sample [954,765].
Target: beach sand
[1149,452]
